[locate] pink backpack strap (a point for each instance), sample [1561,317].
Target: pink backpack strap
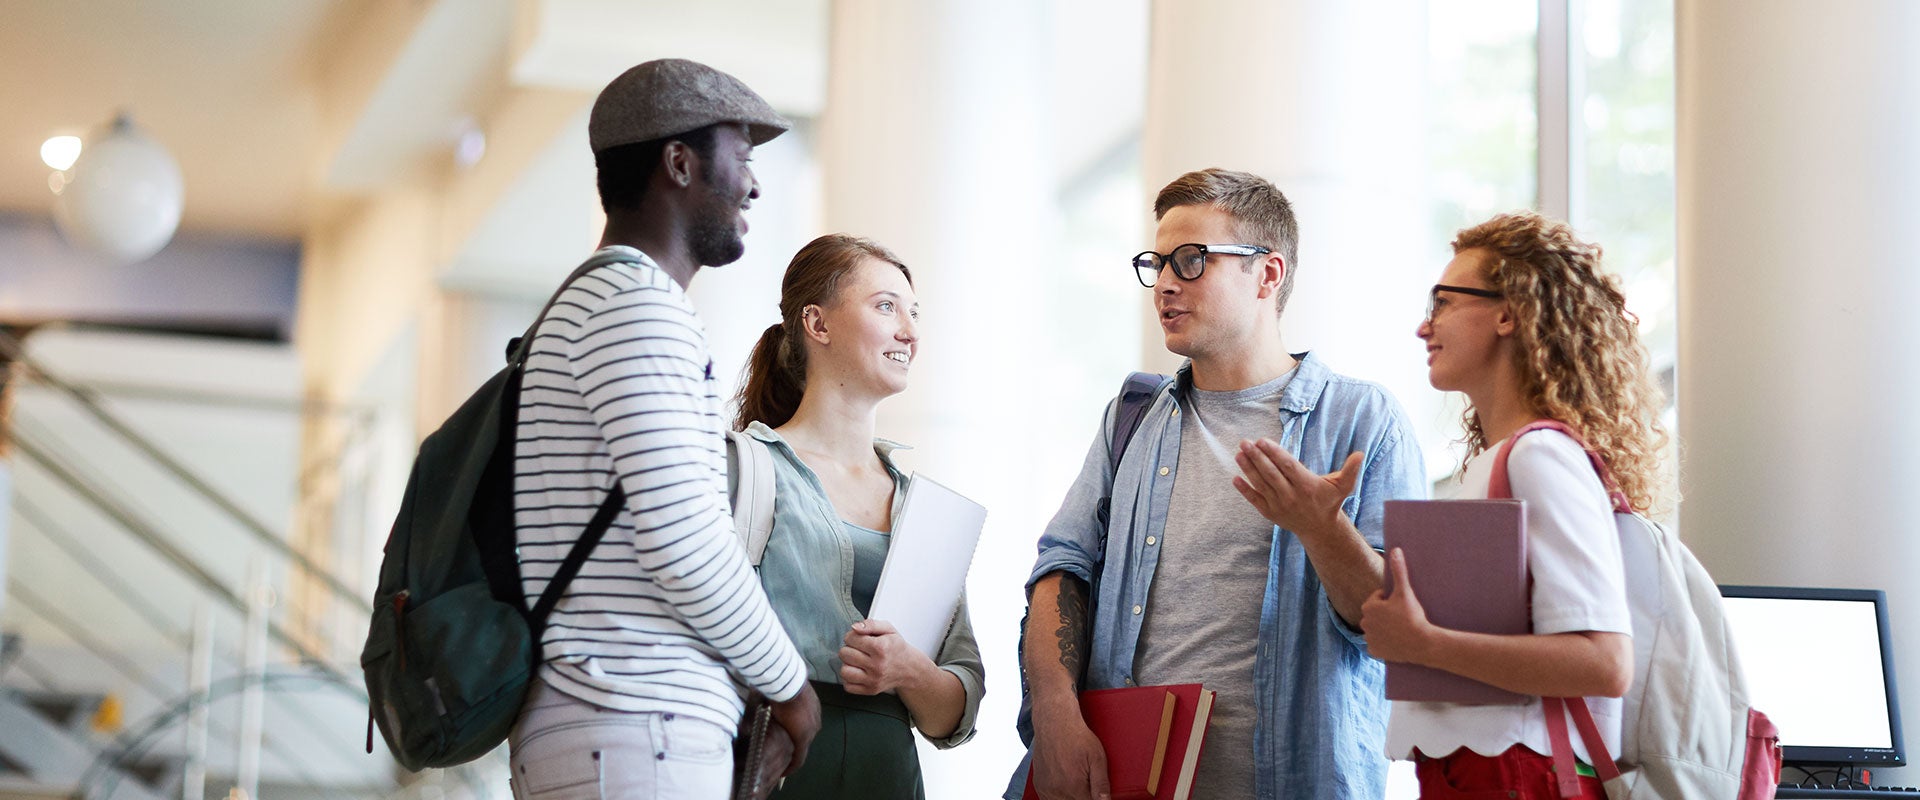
[1565,774]
[1499,487]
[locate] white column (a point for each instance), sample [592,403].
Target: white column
[1327,101]
[1799,197]
[934,143]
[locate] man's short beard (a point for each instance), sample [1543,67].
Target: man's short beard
[715,241]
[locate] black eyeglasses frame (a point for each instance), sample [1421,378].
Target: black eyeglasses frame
[1434,294]
[1149,262]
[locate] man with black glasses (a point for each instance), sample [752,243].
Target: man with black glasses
[1196,575]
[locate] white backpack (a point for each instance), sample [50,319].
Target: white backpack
[751,463]
[1688,731]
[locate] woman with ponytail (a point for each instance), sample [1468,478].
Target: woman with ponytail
[847,336]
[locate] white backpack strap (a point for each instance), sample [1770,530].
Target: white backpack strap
[752,494]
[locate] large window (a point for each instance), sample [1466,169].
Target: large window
[1482,123]
[1628,205]
[1483,127]
[1483,141]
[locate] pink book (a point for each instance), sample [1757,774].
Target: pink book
[1467,562]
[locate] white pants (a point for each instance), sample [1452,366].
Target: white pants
[568,749]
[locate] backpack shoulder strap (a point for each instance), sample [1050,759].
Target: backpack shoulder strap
[1500,486]
[752,464]
[518,346]
[1136,395]
[576,558]
[1567,779]
[517,350]
[1557,709]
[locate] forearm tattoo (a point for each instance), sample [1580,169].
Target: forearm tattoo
[1073,627]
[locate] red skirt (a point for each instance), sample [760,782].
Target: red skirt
[1517,774]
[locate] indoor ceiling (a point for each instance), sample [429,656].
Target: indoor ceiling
[277,110]
[227,86]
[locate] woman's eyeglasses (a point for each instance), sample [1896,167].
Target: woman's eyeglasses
[1433,297]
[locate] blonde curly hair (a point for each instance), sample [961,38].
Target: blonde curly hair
[1579,354]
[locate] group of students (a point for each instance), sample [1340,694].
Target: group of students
[1237,543]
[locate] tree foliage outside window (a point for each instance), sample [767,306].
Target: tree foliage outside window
[1481,123]
[1629,114]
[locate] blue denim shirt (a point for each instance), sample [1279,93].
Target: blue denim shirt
[1321,709]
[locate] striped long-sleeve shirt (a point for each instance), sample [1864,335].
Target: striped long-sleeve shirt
[666,615]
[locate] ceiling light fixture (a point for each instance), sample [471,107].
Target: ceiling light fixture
[60,151]
[123,197]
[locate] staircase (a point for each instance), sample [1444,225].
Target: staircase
[49,750]
[151,494]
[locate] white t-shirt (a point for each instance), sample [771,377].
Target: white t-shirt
[1573,554]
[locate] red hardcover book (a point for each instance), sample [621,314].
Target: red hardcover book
[1153,737]
[1132,724]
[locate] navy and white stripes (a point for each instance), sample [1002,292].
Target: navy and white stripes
[667,615]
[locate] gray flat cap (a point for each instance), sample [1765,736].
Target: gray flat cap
[671,96]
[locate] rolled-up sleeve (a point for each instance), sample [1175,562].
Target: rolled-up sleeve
[1393,469]
[1071,542]
[960,655]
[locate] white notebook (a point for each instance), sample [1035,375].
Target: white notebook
[934,537]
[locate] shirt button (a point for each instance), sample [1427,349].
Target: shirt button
[1163,470]
[1136,610]
[1176,412]
[1129,681]
[1151,540]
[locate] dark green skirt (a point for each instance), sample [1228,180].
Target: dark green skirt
[865,750]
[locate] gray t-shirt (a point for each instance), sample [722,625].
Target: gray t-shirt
[1202,620]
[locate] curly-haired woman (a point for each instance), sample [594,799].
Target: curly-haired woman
[1526,324]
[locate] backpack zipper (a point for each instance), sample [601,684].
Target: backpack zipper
[400,626]
[399,644]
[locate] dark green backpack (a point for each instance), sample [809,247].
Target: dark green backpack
[453,646]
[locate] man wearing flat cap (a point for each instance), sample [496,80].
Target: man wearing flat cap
[647,653]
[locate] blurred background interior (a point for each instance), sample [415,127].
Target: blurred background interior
[285,238]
